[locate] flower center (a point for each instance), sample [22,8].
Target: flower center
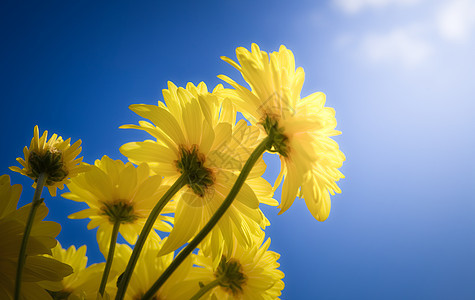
[197,176]
[230,275]
[279,142]
[139,296]
[50,163]
[60,295]
[119,211]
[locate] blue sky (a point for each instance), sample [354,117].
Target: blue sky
[400,75]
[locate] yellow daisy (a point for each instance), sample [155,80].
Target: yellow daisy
[195,136]
[301,128]
[83,283]
[55,157]
[148,269]
[240,274]
[119,192]
[42,239]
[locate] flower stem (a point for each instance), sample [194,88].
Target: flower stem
[261,148]
[110,257]
[124,279]
[40,182]
[205,289]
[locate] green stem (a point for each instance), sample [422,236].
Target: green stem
[40,182]
[110,257]
[261,148]
[124,279]
[205,289]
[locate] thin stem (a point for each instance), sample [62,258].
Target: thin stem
[204,289]
[40,182]
[261,148]
[124,279]
[110,257]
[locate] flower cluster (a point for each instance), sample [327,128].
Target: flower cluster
[38,267]
[198,181]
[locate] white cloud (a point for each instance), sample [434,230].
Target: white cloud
[456,20]
[436,26]
[401,46]
[355,6]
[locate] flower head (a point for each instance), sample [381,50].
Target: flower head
[83,283]
[118,192]
[55,157]
[300,127]
[241,273]
[196,137]
[42,238]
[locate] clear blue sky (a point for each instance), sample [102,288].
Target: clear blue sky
[400,75]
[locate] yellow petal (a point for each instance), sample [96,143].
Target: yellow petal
[148,151]
[45,268]
[187,223]
[162,119]
[292,182]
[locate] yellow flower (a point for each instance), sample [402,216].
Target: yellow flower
[148,269]
[55,157]
[120,192]
[42,239]
[84,282]
[301,128]
[195,135]
[240,273]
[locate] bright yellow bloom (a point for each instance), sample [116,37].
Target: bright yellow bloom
[42,239]
[120,192]
[148,269]
[84,282]
[196,135]
[55,157]
[302,127]
[241,274]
